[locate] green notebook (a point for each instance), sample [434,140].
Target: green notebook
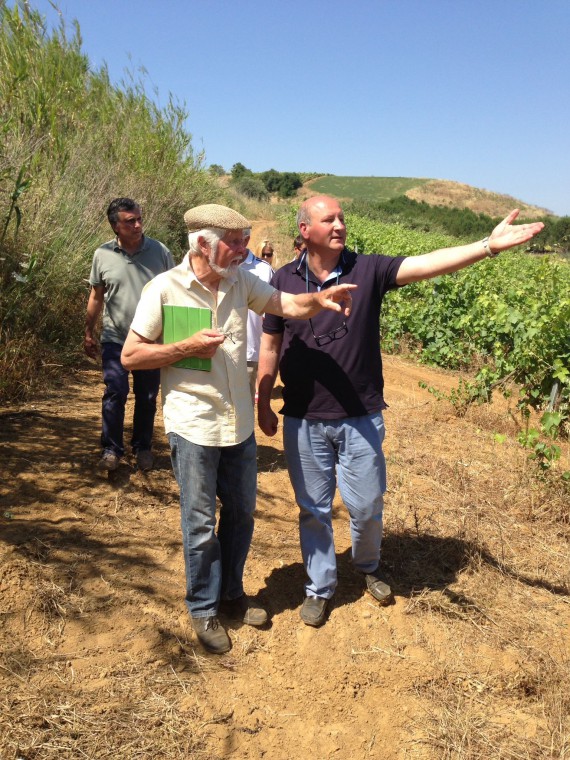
[180,322]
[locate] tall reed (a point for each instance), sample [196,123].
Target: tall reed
[72,141]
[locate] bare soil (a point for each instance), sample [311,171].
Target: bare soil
[98,658]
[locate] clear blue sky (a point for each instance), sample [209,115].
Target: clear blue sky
[475,91]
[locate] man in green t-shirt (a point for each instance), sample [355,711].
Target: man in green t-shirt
[120,270]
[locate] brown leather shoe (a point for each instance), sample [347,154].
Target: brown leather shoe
[145,460]
[212,634]
[108,463]
[377,585]
[244,609]
[314,610]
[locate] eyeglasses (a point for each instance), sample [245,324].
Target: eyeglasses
[326,338]
[338,332]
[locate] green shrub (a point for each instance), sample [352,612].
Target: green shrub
[239,170]
[251,187]
[283,183]
[71,142]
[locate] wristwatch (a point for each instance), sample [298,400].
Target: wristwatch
[487,248]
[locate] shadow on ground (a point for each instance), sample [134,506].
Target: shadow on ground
[412,563]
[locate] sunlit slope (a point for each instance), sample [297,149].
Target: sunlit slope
[435,192]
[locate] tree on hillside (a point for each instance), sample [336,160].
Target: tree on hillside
[216,170]
[252,187]
[271,179]
[239,170]
[283,183]
[290,182]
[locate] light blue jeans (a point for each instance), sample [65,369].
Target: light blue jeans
[214,562]
[316,452]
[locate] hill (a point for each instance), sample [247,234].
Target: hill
[435,192]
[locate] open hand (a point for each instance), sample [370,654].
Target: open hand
[506,235]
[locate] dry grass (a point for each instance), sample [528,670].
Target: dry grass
[492,556]
[520,715]
[134,713]
[439,192]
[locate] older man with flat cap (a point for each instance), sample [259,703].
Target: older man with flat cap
[208,414]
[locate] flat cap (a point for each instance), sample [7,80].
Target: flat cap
[214,215]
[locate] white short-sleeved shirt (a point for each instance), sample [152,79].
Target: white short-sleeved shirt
[207,408]
[263,270]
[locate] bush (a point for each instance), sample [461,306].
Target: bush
[239,170]
[271,179]
[283,183]
[71,143]
[251,187]
[289,184]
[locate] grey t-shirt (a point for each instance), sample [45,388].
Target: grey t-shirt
[124,277]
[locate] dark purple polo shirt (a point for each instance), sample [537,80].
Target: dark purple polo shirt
[344,377]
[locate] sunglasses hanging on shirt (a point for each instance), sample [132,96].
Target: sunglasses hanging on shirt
[338,332]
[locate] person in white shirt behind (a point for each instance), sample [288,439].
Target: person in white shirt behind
[261,267]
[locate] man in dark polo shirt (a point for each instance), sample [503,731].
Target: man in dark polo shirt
[120,270]
[331,370]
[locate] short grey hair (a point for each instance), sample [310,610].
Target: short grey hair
[211,235]
[303,215]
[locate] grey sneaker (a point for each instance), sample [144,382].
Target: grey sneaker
[377,585]
[244,609]
[109,461]
[212,634]
[314,610]
[145,460]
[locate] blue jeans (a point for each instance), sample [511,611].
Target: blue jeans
[146,383]
[316,452]
[214,563]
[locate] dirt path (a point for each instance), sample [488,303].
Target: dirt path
[99,659]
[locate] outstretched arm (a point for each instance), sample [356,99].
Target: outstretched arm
[306,305]
[446,260]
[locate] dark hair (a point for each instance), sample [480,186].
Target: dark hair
[120,204]
[299,242]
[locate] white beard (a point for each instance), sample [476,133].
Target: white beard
[224,272]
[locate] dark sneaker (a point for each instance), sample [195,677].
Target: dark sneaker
[377,585]
[212,634]
[108,462]
[145,460]
[245,610]
[314,610]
